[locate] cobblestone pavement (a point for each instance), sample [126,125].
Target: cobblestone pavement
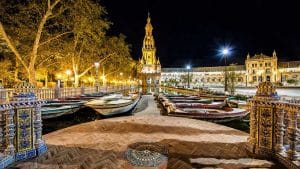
[102,143]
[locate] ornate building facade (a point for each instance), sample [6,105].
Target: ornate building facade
[261,68]
[149,68]
[257,68]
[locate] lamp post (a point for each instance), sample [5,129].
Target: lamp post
[68,72]
[97,78]
[225,53]
[103,77]
[246,79]
[281,75]
[188,67]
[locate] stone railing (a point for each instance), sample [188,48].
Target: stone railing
[21,127]
[274,127]
[60,93]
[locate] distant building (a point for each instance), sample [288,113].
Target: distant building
[149,68]
[257,68]
[261,68]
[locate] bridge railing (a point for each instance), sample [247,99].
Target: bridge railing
[274,126]
[60,93]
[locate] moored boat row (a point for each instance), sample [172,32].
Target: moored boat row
[199,107]
[109,104]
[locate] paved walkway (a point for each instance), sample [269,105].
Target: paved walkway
[147,106]
[102,143]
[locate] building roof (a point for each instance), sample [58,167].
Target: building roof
[289,64]
[260,56]
[203,69]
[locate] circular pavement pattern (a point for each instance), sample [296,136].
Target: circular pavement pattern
[146,154]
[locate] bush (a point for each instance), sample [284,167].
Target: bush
[241,97]
[278,84]
[291,81]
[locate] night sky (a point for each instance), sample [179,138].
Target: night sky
[192,31]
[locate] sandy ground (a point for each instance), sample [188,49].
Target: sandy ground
[102,143]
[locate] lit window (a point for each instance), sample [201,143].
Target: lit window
[254,78]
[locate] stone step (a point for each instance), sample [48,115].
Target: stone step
[230,163]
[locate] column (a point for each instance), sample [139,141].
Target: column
[292,135]
[253,123]
[280,131]
[10,132]
[57,92]
[38,126]
[1,137]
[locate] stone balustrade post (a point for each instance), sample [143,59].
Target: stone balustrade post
[262,138]
[28,123]
[253,124]
[280,131]
[82,92]
[2,94]
[39,142]
[10,132]
[1,136]
[292,132]
[7,133]
[57,92]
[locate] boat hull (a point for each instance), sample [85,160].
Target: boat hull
[212,115]
[217,120]
[48,113]
[111,110]
[58,108]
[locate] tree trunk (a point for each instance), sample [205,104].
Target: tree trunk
[31,76]
[76,80]
[16,73]
[46,80]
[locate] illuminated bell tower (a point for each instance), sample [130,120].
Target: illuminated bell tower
[149,65]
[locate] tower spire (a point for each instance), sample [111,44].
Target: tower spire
[149,44]
[274,53]
[149,18]
[149,68]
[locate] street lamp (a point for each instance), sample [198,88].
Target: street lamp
[68,72]
[225,52]
[188,67]
[97,78]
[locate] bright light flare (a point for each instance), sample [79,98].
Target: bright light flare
[225,51]
[68,72]
[96,64]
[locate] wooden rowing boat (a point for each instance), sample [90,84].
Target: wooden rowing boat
[113,105]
